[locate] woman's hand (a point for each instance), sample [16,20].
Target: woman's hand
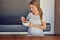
[23,19]
[31,24]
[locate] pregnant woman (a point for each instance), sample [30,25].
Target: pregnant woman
[36,18]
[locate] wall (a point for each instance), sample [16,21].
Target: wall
[12,10]
[48,9]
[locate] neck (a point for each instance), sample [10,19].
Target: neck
[36,13]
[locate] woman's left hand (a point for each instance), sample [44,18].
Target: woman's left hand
[31,24]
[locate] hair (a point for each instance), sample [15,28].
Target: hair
[35,3]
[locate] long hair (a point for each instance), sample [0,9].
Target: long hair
[35,3]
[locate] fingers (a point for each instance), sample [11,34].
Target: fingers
[31,24]
[23,19]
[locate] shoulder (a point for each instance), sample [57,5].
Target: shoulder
[30,13]
[40,8]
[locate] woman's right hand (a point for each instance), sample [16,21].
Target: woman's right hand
[23,19]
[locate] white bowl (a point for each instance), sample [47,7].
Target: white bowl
[26,24]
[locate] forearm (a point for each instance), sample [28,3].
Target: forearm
[43,26]
[39,26]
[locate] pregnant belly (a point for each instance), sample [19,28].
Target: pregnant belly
[35,31]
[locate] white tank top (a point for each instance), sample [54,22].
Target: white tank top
[33,30]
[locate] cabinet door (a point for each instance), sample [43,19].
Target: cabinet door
[57,17]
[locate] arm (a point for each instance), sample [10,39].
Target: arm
[40,26]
